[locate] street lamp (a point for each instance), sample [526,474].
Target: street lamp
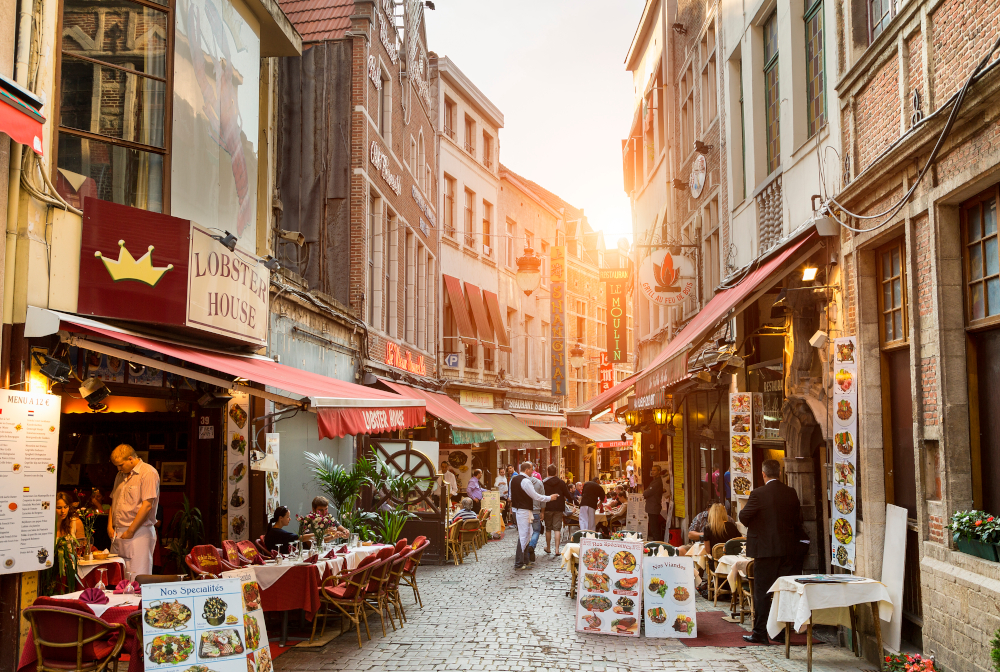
[660,416]
[577,355]
[529,271]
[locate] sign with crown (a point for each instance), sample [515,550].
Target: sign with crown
[148,267]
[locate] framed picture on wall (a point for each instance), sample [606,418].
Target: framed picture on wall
[143,455]
[173,473]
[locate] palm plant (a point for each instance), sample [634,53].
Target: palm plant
[390,524]
[336,482]
[355,519]
[187,531]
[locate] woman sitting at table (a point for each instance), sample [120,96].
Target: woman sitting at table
[718,530]
[278,538]
[68,524]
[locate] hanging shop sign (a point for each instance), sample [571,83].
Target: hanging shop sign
[258,651]
[609,593]
[402,358]
[475,398]
[558,320]
[669,597]
[29,447]
[380,160]
[648,401]
[605,374]
[519,404]
[696,180]
[615,292]
[238,429]
[845,451]
[142,266]
[740,442]
[272,479]
[666,279]
[460,460]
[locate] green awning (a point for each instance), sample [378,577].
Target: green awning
[465,427]
[511,433]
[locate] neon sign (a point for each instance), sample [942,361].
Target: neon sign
[404,359]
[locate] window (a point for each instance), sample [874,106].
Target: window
[114,98]
[470,222]
[385,108]
[390,273]
[815,72]
[709,83]
[880,13]
[449,206]
[449,118]
[373,240]
[545,264]
[409,295]
[687,111]
[470,135]
[581,392]
[981,259]
[487,150]
[772,101]
[487,229]
[743,130]
[602,328]
[511,258]
[412,163]
[450,340]
[581,328]
[892,294]
[528,349]
[487,358]
[471,352]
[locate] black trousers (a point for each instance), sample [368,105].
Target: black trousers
[477,505]
[655,527]
[765,572]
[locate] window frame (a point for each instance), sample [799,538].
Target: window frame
[977,201]
[816,10]
[883,21]
[709,77]
[772,110]
[899,244]
[168,8]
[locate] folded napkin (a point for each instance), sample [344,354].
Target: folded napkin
[330,554]
[631,536]
[663,552]
[123,584]
[342,549]
[313,559]
[588,535]
[93,596]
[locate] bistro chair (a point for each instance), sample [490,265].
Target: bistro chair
[205,562]
[718,580]
[735,546]
[346,592]
[232,553]
[409,576]
[453,543]
[376,593]
[746,592]
[71,638]
[469,537]
[259,543]
[654,547]
[392,588]
[250,553]
[579,534]
[484,536]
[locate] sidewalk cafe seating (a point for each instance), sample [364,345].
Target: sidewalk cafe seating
[469,538]
[259,543]
[346,592]
[205,562]
[249,551]
[746,593]
[717,581]
[392,588]
[484,515]
[71,637]
[143,579]
[232,553]
[453,542]
[578,535]
[654,547]
[376,593]
[409,576]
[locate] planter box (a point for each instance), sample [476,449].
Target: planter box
[978,549]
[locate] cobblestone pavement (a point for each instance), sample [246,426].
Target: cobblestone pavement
[485,616]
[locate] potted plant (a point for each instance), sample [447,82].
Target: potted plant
[975,533]
[187,531]
[356,520]
[902,662]
[995,650]
[390,524]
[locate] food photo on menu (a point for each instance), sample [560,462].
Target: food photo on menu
[609,599]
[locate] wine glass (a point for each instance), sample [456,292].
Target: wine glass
[102,574]
[129,588]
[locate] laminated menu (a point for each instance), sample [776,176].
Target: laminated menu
[238,428]
[668,584]
[740,444]
[843,517]
[609,593]
[258,652]
[29,445]
[196,624]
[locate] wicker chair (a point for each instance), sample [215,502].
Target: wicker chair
[346,592]
[392,589]
[746,593]
[717,581]
[468,537]
[409,576]
[578,535]
[453,543]
[484,516]
[68,638]
[376,592]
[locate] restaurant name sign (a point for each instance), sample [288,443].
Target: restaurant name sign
[558,304]
[380,160]
[147,267]
[402,358]
[615,291]
[515,404]
[666,279]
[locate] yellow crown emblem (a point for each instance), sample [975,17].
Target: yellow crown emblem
[127,268]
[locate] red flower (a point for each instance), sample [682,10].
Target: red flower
[978,523]
[990,519]
[888,658]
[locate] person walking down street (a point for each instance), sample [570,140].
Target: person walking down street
[536,515]
[501,485]
[133,510]
[773,517]
[653,496]
[475,490]
[523,497]
[554,510]
[591,495]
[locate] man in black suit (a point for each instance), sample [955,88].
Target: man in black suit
[653,496]
[774,527]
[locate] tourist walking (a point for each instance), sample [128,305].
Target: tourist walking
[523,497]
[653,496]
[554,510]
[592,494]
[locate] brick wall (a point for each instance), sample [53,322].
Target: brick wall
[915,75]
[877,113]
[962,32]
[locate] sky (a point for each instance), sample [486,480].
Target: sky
[556,69]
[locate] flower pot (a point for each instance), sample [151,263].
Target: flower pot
[977,548]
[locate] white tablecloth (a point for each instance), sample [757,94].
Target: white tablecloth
[113,601]
[732,566]
[85,567]
[268,575]
[569,555]
[827,602]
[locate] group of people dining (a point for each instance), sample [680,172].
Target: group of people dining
[277,538]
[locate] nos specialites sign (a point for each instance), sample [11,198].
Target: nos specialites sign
[147,267]
[665,279]
[558,303]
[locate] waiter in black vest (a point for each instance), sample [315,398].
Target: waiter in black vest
[522,499]
[773,518]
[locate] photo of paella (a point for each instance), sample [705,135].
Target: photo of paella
[844,501]
[842,531]
[595,559]
[741,444]
[624,562]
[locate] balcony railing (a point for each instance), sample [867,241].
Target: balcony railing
[488,162]
[769,215]
[450,132]
[470,148]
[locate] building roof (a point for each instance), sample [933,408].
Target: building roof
[318,20]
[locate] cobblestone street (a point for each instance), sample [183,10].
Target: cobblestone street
[485,616]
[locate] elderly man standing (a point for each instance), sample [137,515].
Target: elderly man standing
[133,510]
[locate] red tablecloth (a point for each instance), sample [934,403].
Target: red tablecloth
[113,576]
[133,647]
[298,588]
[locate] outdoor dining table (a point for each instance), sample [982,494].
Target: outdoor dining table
[804,605]
[734,567]
[88,576]
[117,610]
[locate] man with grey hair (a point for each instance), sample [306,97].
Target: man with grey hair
[133,510]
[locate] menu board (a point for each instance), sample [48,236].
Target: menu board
[190,623]
[460,460]
[257,648]
[238,429]
[491,501]
[29,445]
[609,593]
[669,593]
[740,444]
[272,446]
[845,451]
[636,518]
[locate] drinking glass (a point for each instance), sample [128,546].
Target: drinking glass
[101,575]
[352,541]
[129,588]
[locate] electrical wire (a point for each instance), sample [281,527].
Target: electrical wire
[956,101]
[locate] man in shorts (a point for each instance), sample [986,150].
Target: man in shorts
[554,509]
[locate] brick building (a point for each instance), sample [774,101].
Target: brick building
[922,298]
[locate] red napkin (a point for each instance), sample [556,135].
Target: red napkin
[120,588]
[331,553]
[343,549]
[313,559]
[93,596]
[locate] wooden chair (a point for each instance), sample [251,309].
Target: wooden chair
[746,592]
[68,638]
[717,580]
[376,598]
[346,592]
[205,562]
[484,515]
[453,543]
[468,537]
[409,576]
[392,588]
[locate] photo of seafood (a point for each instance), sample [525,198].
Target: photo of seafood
[742,464]
[842,531]
[624,561]
[595,559]
[740,403]
[624,605]
[741,422]
[167,615]
[596,582]
[628,583]
[742,485]
[844,501]
[220,643]
[845,352]
[741,444]
[843,473]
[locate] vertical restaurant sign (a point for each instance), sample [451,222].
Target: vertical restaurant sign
[669,593]
[845,451]
[558,321]
[258,652]
[238,428]
[609,593]
[272,446]
[199,624]
[680,509]
[29,444]
[615,291]
[606,374]
[741,457]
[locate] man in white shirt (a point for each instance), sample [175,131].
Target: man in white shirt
[447,476]
[501,485]
[523,496]
[133,510]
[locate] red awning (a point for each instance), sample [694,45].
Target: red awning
[466,428]
[460,310]
[605,434]
[21,122]
[499,324]
[479,313]
[540,420]
[342,408]
[580,416]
